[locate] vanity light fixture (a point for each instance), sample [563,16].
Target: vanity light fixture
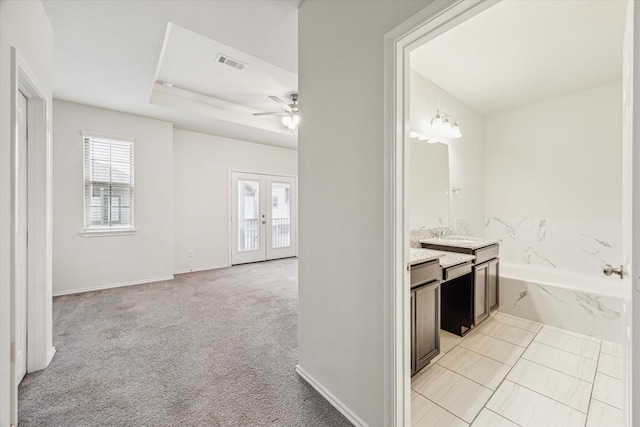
[441,127]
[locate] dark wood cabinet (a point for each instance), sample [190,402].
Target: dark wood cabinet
[485,286]
[425,314]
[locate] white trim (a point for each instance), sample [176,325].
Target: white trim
[106,233]
[430,22]
[110,286]
[334,401]
[39,306]
[193,270]
[108,136]
[52,352]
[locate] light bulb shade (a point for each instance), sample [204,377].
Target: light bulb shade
[422,137]
[436,124]
[413,134]
[290,121]
[455,132]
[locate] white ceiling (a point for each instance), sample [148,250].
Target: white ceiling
[108,54]
[520,52]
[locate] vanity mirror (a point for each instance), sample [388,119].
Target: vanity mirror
[429,185]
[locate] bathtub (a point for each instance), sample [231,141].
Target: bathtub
[585,303]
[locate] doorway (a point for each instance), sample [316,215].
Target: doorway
[435,20]
[263,217]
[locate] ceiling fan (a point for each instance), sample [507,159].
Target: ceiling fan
[290,116]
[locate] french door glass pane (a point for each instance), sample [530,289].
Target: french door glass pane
[280,215]
[248,215]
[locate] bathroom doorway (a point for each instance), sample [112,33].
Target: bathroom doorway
[433,22]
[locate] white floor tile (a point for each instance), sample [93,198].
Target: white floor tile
[507,333]
[603,415]
[448,340]
[575,334]
[530,409]
[476,367]
[612,348]
[610,365]
[558,338]
[487,418]
[494,348]
[527,325]
[608,390]
[561,387]
[560,360]
[425,413]
[455,393]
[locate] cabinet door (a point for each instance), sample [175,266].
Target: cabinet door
[493,285]
[427,315]
[480,311]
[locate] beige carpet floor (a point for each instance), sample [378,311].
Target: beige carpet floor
[212,348]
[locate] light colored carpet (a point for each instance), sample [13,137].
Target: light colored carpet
[213,348]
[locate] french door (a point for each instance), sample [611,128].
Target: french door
[263,217]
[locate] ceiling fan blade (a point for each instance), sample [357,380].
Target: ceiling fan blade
[269,114]
[281,102]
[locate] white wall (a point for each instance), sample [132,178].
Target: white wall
[466,154]
[25,26]
[82,263]
[553,180]
[201,197]
[341,285]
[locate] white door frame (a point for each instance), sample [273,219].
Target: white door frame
[432,21]
[40,350]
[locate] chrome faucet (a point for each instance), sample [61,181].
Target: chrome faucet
[444,231]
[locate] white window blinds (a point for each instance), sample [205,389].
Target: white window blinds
[108,183]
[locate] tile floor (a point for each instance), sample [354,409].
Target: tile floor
[515,372]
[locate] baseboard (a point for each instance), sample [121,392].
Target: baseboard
[110,286]
[331,398]
[193,270]
[52,352]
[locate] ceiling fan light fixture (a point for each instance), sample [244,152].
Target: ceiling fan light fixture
[291,121]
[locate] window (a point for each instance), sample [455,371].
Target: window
[108,183]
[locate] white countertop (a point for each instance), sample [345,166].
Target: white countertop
[466,242]
[418,256]
[453,258]
[446,259]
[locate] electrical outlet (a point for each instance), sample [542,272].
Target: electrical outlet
[190,253]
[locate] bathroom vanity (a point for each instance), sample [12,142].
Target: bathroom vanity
[469,291]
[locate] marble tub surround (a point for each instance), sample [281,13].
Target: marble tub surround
[544,380]
[418,256]
[573,244]
[587,313]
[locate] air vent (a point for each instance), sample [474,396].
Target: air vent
[233,63]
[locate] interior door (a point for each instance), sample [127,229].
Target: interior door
[21,266]
[263,217]
[630,227]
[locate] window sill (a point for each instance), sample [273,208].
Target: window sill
[106,233]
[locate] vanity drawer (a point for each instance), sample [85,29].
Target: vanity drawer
[427,272]
[485,254]
[457,271]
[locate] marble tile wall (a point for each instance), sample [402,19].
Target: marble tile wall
[577,245]
[590,314]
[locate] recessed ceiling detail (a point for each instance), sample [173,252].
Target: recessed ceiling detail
[208,83]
